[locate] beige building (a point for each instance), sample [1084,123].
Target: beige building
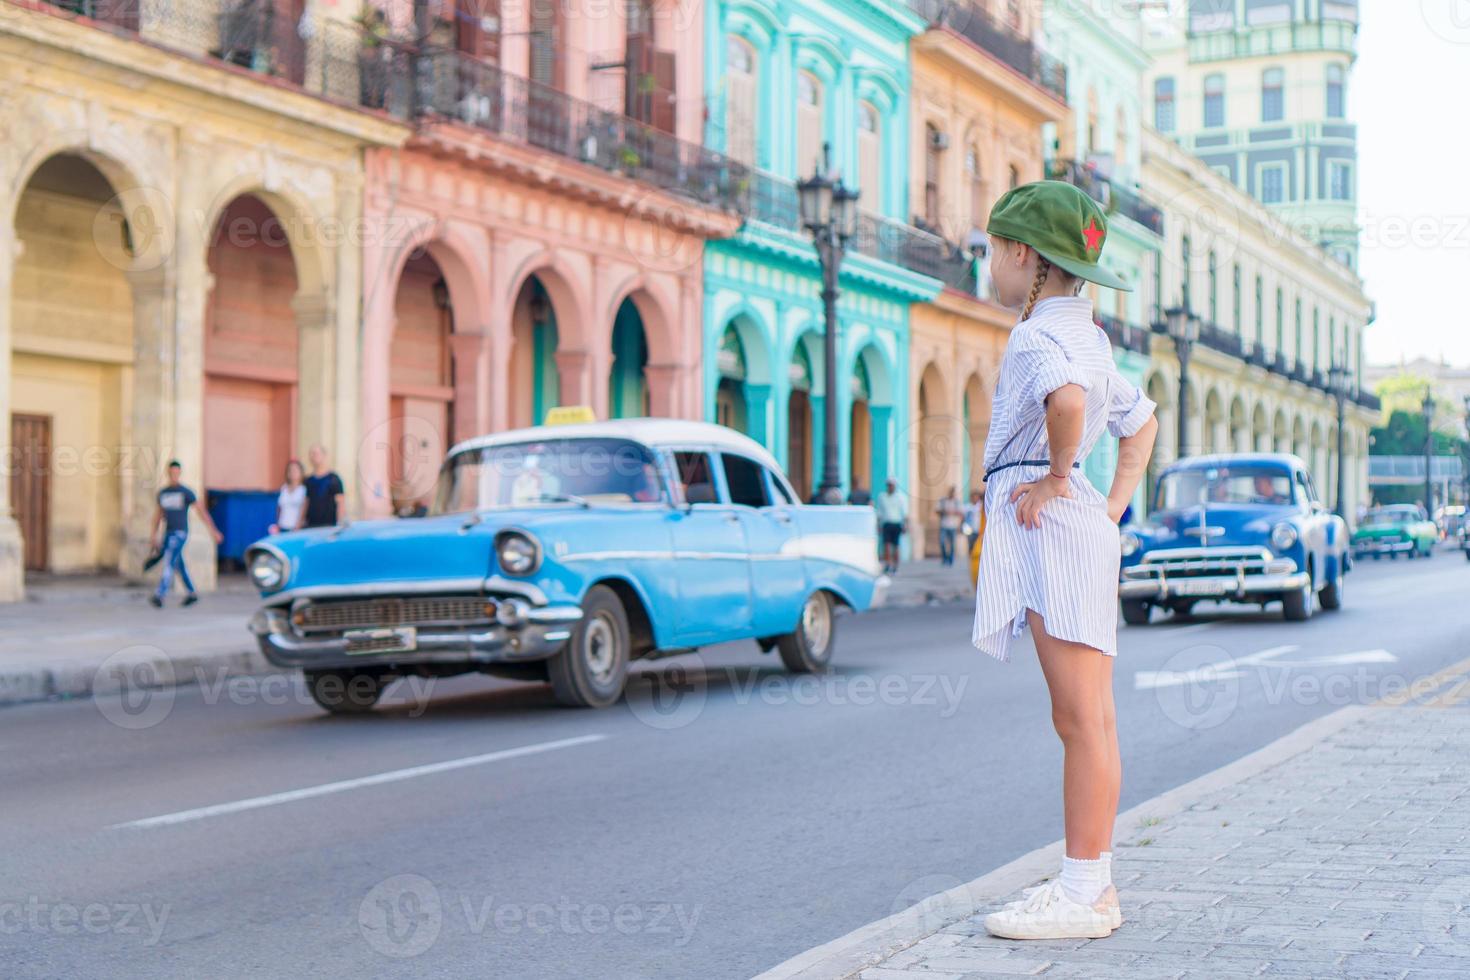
[1276,313]
[175,192]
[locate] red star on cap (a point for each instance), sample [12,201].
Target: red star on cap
[1094,235]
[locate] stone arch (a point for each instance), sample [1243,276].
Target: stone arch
[1215,423]
[311,257]
[1240,441]
[1299,437]
[1280,433]
[573,313]
[870,417]
[743,375]
[1260,429]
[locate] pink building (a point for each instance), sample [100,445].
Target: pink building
[539,240]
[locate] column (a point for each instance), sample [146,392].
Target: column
[316,372]
[375,498]
[663,389]
[758,413]
[472,359]
[578,386]
[12,550]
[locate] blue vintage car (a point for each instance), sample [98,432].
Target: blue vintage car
[1243,527]
[562,554]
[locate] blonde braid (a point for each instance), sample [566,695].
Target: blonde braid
[1043,269]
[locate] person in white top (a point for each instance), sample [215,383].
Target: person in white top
[291,501]
[1051,552]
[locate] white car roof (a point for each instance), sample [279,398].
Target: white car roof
[651,432]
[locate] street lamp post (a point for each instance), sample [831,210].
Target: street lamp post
[1428,408]
[829,214]
[1337,380]
[1183,328]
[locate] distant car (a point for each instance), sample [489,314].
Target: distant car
[1246,528]
[1393,530]
[562,554]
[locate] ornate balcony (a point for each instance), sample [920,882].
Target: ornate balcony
[972,22]
[1125,335]
[1114,197]
[772,200]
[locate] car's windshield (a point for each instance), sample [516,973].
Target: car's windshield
[1393,515]
[550,472]
[1245,483]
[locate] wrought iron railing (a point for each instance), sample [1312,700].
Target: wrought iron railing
[1114,197]
[1369,400]
[1223,341]
[971,21]
[773,200]
[1126,335]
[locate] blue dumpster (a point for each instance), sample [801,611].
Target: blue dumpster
[242,516]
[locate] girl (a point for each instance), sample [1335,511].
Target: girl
[1050,557]
[291,501]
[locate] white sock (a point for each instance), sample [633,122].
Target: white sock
[1106,857]
[1083,881]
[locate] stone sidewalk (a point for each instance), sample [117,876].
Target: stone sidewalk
[1340,850]
[74,636]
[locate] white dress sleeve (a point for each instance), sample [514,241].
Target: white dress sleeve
[1128,409]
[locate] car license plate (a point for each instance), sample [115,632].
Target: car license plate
[401,639]
[1202,586]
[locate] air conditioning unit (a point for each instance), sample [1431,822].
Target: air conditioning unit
[938,140]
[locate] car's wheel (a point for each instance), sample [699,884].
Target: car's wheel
[1377,556]
[592,668]
[1182,608]
[345,692]
[1467,554]
[1136,612]
[1297,605]
[1331,595]
[808,648]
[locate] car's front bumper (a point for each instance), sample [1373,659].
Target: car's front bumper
[1238,586]
[1382,547]
[543,634]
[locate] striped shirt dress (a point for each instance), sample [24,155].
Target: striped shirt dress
[1066,570]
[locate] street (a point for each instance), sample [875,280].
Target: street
[723,818]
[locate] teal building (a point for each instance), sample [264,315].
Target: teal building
[783,80]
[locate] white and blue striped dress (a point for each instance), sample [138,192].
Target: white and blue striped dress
[1066,570]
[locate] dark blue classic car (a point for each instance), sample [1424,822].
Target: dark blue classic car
[562,554]
[1235,528]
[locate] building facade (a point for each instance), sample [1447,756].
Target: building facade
[1258,89]
[785,82]
[982,91]
[174,191]
[1276,313]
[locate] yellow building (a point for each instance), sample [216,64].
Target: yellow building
[176,191]
[981,94]
[1276,311]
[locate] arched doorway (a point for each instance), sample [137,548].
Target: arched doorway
[627,386]
[743,391]
[1299,438]
[72,367]
[250,350]
[535,382]
[1239,429]
[1260,432]
[870,419]
[860,423]
[801,408]
[1280,434]
[1214,434]
[936,455]
[421,382]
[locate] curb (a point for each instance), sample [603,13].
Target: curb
[870,945]
[60,680]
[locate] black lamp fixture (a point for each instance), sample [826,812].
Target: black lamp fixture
[829,214]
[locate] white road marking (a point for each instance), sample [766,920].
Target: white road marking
[326,789]
[1145,680]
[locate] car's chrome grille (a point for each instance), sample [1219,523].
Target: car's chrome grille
[334,615]
[1197,562]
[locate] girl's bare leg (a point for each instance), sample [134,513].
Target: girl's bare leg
[1080,680]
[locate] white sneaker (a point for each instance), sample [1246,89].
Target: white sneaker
[1109,898]
[1047,913]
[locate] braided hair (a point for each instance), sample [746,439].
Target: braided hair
[1043,269]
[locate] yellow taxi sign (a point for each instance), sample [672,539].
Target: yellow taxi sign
[570,415]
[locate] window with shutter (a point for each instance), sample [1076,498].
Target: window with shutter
[870,158]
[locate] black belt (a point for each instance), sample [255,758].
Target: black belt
[1023,462]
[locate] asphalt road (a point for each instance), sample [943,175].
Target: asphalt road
[723,819]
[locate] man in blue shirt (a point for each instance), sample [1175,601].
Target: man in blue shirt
[172,518]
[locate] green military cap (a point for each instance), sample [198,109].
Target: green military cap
[1062,223]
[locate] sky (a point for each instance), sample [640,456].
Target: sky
[1410,95]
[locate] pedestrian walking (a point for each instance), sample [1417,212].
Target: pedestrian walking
[972,520]
[1051,551]
[951,514]
[893,513]
[291,500]
[170,532]
[326,500]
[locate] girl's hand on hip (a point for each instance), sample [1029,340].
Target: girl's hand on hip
[1116,509]
[1033,496]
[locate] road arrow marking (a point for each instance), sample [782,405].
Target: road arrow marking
[1147,680]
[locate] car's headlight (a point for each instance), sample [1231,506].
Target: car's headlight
[1283,536]
[1129,543]
[517,553]
[267,570]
